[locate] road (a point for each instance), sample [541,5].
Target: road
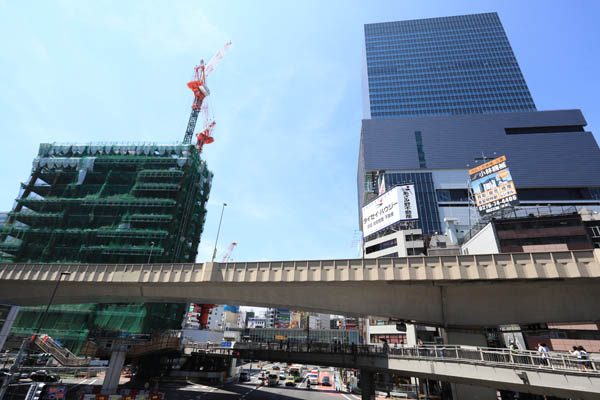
[251,390]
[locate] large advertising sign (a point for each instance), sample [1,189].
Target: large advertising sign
[395,205]
[493,186]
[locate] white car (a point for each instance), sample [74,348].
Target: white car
[313,379]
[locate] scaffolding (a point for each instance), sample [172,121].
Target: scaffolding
[107,203]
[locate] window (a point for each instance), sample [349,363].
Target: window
[420,151]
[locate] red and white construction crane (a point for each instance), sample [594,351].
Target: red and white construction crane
[227,254]
[198,86]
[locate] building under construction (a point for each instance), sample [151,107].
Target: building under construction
[107,203]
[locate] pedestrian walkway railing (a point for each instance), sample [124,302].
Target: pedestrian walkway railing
[551,361]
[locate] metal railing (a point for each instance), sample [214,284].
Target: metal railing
[61,354]
[551,361]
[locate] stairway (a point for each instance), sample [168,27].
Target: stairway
[61,354]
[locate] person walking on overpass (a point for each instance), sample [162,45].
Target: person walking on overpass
[543,351]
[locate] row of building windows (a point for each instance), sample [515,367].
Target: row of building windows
[463,22]
[528,194]
[440,86]
[452,99]
[382,92]
[416,100]
[464,107]
[432,71]
[489,44]
[443,64]
[415,34]
[456,76]
[411,47]
[408,46]
[441,55]
[455,111]
[499,80]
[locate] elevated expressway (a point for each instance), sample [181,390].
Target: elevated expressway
[467,290]
[557,374]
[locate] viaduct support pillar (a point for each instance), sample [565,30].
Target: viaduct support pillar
[462,391]
[232,368]
[367,384]
[115,366]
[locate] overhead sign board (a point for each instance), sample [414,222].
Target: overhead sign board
[493,186]
[395,205]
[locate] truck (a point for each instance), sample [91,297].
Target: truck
[273,379]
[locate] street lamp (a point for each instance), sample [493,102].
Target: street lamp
[218,231]
[37,332]
[151,248]
[15,368]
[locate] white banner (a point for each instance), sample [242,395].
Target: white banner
[395,205]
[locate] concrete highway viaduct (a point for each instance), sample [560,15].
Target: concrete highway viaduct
[454,292]
[448,291]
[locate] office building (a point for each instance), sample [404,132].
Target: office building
[397,243]
[441,66]
[443,95]
[107,203]
[553,160]
[215,320]
[277,318]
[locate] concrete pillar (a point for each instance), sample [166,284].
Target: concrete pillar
[463,391]
[7,324]
[367,385]
[411,334]
[113,374]
[231,372]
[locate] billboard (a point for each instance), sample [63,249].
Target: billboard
[395,205]
[256,322]
[493,186]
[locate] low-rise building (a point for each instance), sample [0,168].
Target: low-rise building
[544,229]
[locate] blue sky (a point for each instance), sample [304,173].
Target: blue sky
[286,97]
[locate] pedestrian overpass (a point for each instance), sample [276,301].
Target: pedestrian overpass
[557,374]
[465,290]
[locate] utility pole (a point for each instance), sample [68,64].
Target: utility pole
[218,231]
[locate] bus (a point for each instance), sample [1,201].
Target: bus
[296,371]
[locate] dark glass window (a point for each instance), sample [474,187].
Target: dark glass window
[420,151]
[559,194]
[429,219]
[380,246]
[452,195]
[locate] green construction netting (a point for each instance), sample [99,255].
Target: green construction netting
[107,203]
[70,324]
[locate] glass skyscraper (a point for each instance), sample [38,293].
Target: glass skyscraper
[441,66]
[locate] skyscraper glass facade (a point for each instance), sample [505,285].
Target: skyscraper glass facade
[442,66]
